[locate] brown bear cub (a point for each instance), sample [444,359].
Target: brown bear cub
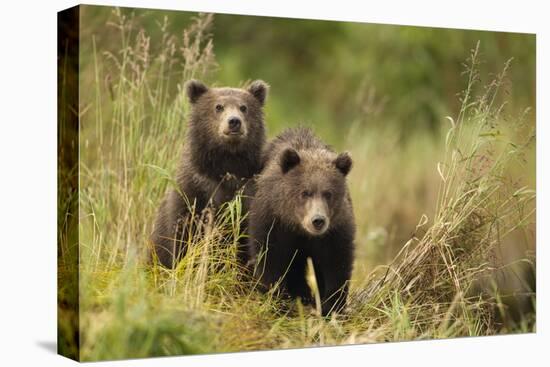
[221,153]
[302,208]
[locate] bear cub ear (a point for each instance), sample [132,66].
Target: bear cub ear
[195,89]
[343,162]
[259,90]
[289,159]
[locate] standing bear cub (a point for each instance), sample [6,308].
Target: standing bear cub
[221,153]
[302,208]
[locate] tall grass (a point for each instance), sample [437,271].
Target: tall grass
[442,273]
[439,285]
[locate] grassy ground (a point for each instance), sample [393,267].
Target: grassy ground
[459,206]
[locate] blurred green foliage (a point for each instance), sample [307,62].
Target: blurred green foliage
[329,73]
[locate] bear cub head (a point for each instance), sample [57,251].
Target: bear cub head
[228,118]
[314,188]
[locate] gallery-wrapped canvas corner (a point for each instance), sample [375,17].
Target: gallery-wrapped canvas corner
[232,183]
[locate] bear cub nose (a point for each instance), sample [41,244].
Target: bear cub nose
[234,124]
[318,221]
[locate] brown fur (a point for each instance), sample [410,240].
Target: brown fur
[215,165]
[301,170]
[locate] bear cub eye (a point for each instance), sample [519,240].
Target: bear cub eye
[327,195]
[307,194]
[243,108]
[219,108]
